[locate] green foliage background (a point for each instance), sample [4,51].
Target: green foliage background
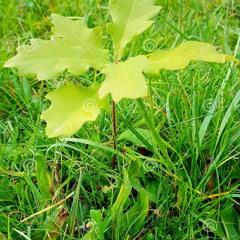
[200,202]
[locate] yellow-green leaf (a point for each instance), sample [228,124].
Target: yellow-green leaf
[180,56]
[130,18]
[73,46]
[71,107]
[125,79]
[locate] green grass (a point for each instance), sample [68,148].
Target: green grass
[193,192]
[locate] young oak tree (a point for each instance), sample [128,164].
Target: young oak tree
[75,47]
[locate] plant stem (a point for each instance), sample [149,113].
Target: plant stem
[114,124]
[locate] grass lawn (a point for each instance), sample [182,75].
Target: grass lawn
[58,188]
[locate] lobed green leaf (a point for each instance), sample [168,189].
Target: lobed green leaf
[73,46]
[130,18]
[125,79]
[71,107]
[180,56]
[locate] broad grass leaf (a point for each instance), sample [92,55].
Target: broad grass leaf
[89,235]
[133,219]
[230,222]
[180,56]
[44,180]
[123,195]
[98,227]
[125,79]
[73,46]
[71,107]
[130,18]
[132,137]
